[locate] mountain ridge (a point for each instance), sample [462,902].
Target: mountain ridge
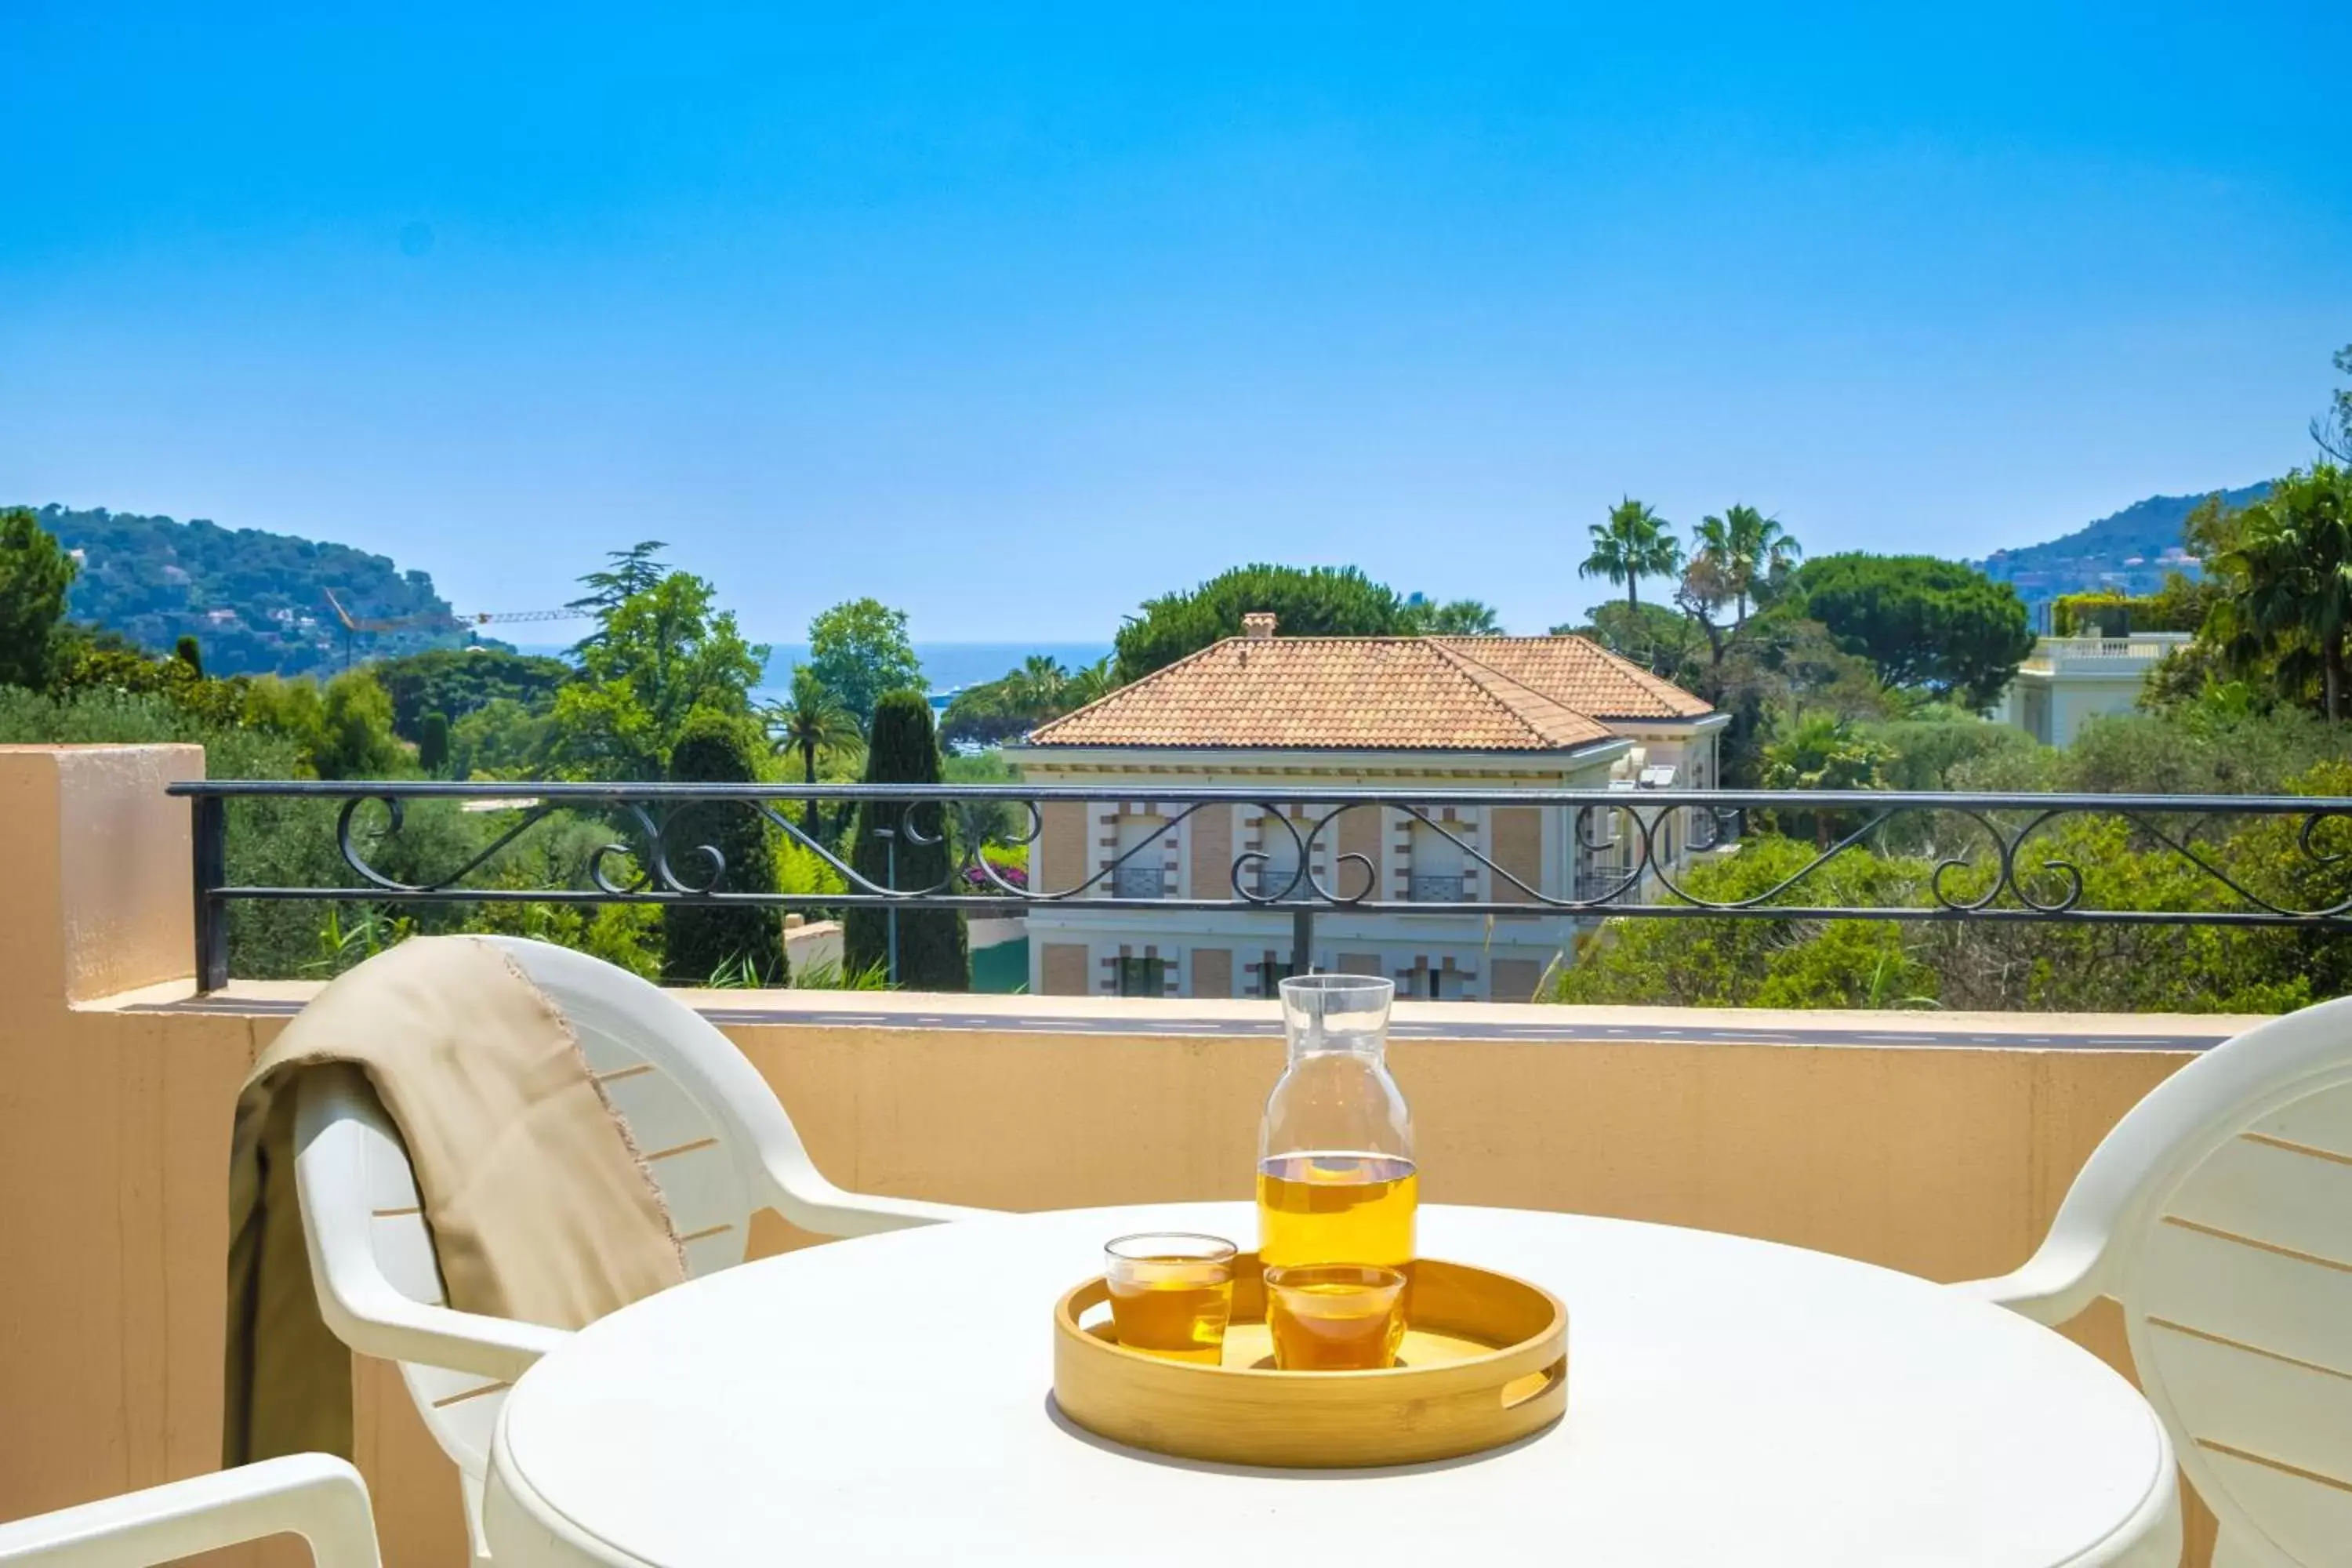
[2125,548]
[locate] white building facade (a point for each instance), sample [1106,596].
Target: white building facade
[2067,681]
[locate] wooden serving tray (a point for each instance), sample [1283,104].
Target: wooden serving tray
[1484,1361]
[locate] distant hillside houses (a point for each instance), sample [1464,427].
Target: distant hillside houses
[255,602]
[2130,552]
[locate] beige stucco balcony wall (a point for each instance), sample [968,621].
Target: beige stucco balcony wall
[114,1122]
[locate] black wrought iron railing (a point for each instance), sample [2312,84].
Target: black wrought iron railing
[1584,853]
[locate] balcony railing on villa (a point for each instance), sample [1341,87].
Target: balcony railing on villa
[1143,882]
[1439,887]
[2146,648]
[1279,884]
[1994,857]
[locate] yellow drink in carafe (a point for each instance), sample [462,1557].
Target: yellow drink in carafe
[1336,1208]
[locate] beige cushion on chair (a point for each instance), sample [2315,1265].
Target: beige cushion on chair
[541,1208]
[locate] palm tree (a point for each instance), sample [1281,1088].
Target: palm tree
[1748,550]
[1462,618]
[1088,683]
[1632,544]
[2291,578]
[1036,687]
[812,720]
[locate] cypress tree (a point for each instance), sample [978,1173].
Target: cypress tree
[188,651]
[701,941]
[433,743]
[903,749]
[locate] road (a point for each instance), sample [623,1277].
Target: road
[1830,1031]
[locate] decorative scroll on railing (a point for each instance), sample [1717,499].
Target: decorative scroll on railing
[1601,852]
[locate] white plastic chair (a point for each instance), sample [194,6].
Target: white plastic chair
[2218,1213]
[314,1496]
[718,1144]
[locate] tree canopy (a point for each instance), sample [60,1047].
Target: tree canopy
[35,575]
[1006,709]
[459,681]
[1305,601]
[1925,624]
[354,738]
[625,575]
[656,657]
[859,651]
[2287,579]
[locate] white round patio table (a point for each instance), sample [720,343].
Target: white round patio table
[1730,1402]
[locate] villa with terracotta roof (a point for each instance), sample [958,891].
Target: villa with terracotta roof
[1429,713]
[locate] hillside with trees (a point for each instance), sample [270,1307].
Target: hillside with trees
[255,602]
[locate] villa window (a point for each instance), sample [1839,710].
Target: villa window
[1438,863]
[1143,976]
[1140,872]
[1279,870]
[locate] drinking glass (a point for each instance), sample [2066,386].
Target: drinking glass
[1335,1317]
[1171,1293]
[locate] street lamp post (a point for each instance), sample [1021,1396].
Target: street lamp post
[889,836]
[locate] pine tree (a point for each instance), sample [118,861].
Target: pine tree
[902,749]
[35,573]
[703,942]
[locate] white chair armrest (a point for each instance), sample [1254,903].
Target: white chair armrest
[317,1497]
[814,1204]
[2054,1286]
[335,1119]
[377,1320]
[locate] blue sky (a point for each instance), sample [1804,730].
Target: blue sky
[1015,317]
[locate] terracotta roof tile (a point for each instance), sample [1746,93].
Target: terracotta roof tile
[1484,694]
[1583,675]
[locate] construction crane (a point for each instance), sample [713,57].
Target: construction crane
[354,625]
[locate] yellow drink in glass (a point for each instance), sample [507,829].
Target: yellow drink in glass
[1172,1295]
[1335,1317]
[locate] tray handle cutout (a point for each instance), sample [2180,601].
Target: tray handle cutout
[1534,1384]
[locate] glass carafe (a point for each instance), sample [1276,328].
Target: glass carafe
[1336,1178]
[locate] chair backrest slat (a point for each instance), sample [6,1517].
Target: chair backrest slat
[659,1115]
[2252,1403]
[2274,1195]
[705,1199]
[2322,1121]
[2247,1295]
